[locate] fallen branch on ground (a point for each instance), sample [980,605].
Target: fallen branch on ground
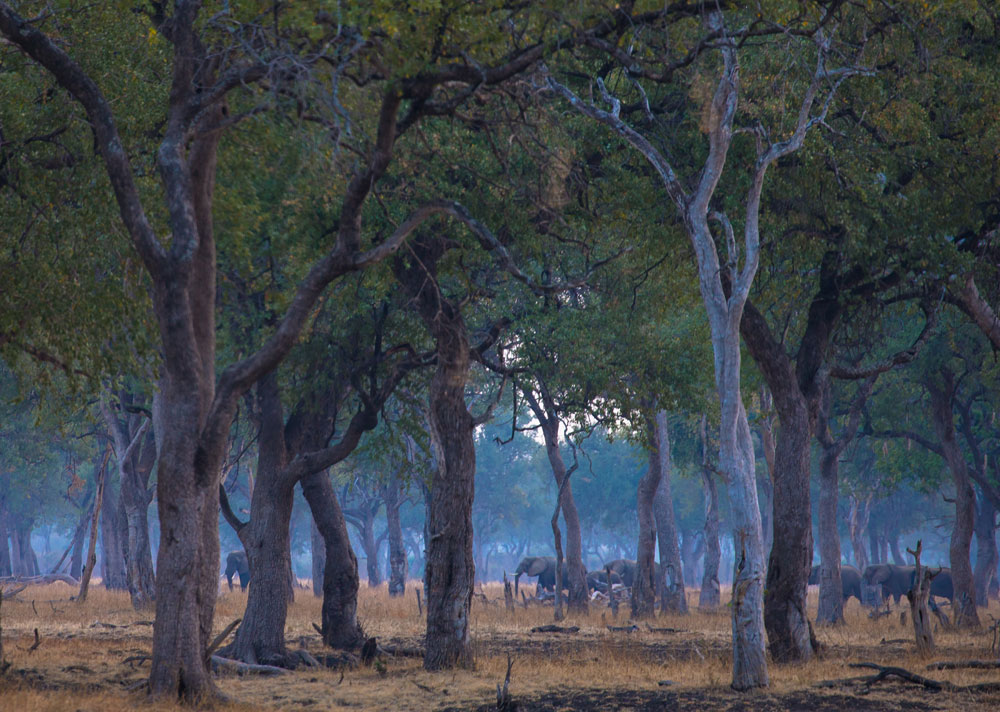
[38,580]
[10,593]
[221,637]
[964,664]
[623,628]
[555,629]
[240,668]
[651,629]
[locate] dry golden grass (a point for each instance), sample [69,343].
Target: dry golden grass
[80,662]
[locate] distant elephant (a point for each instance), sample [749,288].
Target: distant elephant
[942,586]
[850,581]
[625,568]
[894,580]
[598,580]
[544,567]
[236,562]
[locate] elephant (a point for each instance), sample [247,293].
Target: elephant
[544,567]
[627,569]
[894,580]
[850,581]
[598,580]
[900,580]
[236,562]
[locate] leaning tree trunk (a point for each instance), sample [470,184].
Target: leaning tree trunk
[942,415]
[710,596]
[340,570]
[671,584]
[574,569]
[987,556]
[392,495]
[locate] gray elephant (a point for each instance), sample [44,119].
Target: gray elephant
[236,562]
[544,567]
[850,581]
[894,580]
[627,569]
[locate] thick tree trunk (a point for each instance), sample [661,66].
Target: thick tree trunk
[857,525]
[942,395]
[709,597]
[340,572]
[369,544]
[987,556]
[766,483]
[646,583]
[266,540]
[112,545]
[873,544]
[393,495]
[831,600]
[671,581]
[450,569]
[318,551]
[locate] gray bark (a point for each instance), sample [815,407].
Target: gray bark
[710,596]
[673,598]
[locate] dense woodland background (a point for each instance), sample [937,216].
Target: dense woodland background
[300,278]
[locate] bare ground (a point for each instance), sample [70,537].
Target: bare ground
[90,657]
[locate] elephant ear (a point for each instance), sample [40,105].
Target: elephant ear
[537,566]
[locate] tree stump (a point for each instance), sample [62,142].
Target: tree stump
[918,596]
[508,594]
[612,601]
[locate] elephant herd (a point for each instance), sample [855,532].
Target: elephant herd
[544,567]
[894,581]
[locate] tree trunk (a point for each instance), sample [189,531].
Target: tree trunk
[857,524]
[942,415]
[545,411]
[671,584]
[370,546]
[340,571]
[873,547]
[987,556]
[450,573]
[709,597]
[766,483]
[266,539]
[831,600]
[6,568]
[392,495]
[112,546]
[318,551]
[88,570]
[646,583]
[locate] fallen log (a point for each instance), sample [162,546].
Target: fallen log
[555,629]
[221,664]
[651,629]
[623,628]
[965,664]
[885,671]
[39,580]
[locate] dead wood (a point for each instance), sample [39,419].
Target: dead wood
[33,606]
[420,605]
[623,628]
[401,651]
[964,664]
[102,624]
[221,637]
[135,686]
[318,630]
[8,594]
[651,629]
[666,683]
[220,664]
[139,659]
[508,594]
[885,671]
[918,596]
[368,651]
[504,701]
[894,641]
[305,657]
[555,629]
[34,646]
[38,580]
[78,668]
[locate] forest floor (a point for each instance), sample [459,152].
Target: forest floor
[82,661]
